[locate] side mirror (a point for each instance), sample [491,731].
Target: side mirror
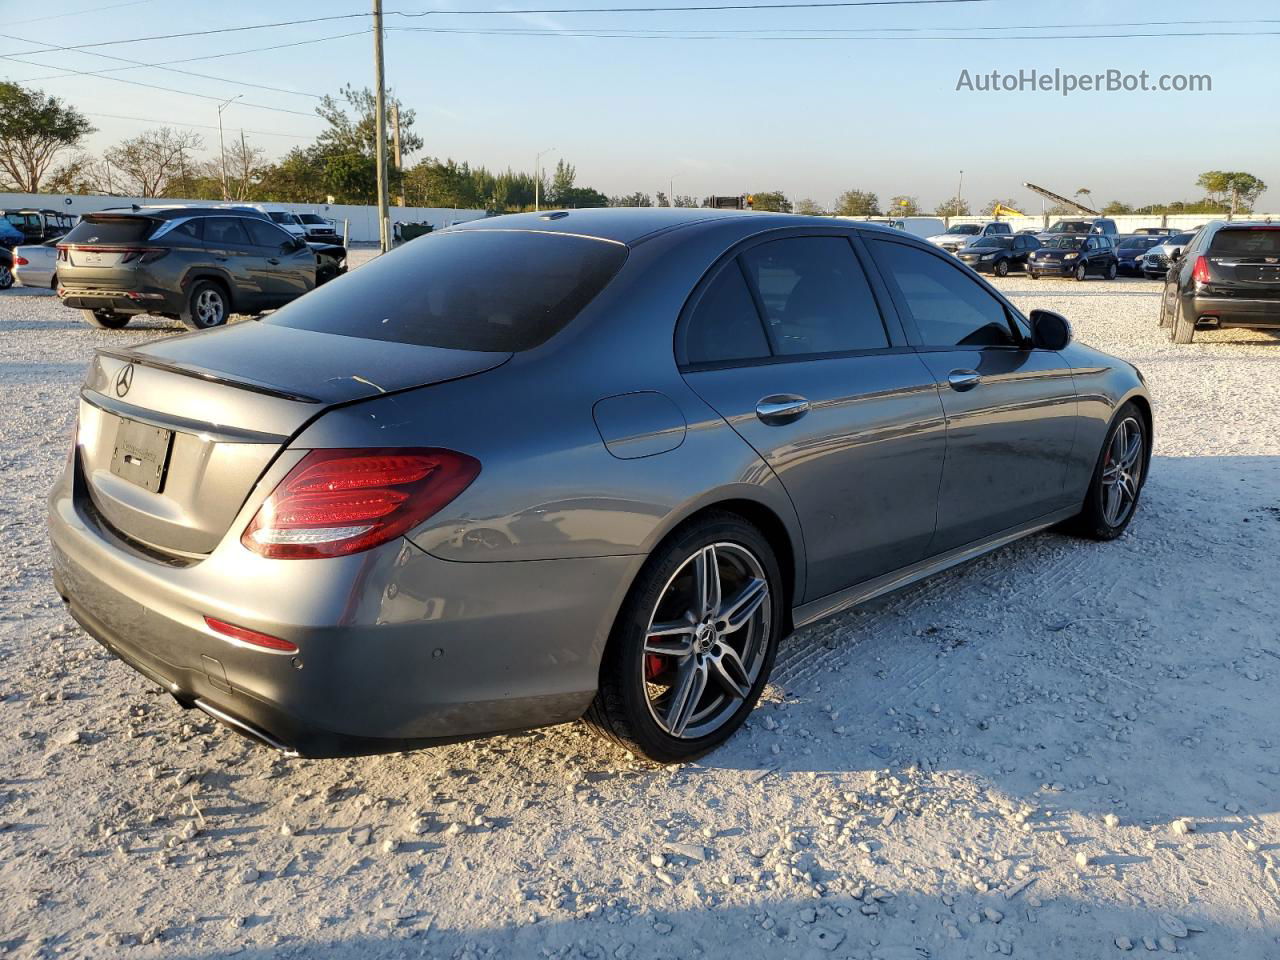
[1049,330]
[294,245]
[1175,254]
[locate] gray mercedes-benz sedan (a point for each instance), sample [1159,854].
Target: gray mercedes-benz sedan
[589,463]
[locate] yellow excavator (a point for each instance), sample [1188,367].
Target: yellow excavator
[1002,211]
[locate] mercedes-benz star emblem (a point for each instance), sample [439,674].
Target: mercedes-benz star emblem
[124,380]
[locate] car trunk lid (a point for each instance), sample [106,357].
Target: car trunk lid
[174,435]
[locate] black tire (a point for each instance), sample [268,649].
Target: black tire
[1112,270]
[1184,329]
[207,306]
[1163,318]
[1082,271]
[105,319]
[1032,275]
[53,282]
[622,710]
[6,278]
[1001,268]
[1092,521]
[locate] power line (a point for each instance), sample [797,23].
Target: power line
[153,86]
[615,35]
[76,13]
[201,126]
[164,64]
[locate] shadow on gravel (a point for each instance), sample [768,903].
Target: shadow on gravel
[885,924]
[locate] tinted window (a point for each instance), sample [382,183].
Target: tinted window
[467,290]
[264,234]
[278,217]
[993,243]
[223,230]
[814,295]
[1263,242]
[312,218]
[183,232]
[110,230]
[948,307]
[725,324]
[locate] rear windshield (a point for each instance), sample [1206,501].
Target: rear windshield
[1264,242]
[491,290]
[110,230]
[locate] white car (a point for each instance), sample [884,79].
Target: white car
[317,227]
[963,234]
[285,219]
[36,264]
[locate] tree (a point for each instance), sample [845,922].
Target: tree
[1116,208]
[770,201]
[661,200]
[810,208]
[904,206]
[955,207]
[358,133]
[34,129]
[684,201]
[857,203]
[154,163]
[1232,189]
[631,200]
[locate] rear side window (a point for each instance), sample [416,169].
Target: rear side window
[814,295]
[187,232]
[949,308]
[491,290]
[224,230]
[1247,243]
[110,230]
[725,325]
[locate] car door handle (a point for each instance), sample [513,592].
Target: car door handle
[221,259]
[781,409]
[962,380]
[272,260]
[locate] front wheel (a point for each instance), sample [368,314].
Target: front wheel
[206,307]
[693,644]
[1118,477]
[1112,270]
[1081,271]
[1001,268]
[105,319]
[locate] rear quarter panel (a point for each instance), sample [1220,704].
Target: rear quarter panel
[1103,385]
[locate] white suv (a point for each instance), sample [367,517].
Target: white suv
[962,234]
[317,227]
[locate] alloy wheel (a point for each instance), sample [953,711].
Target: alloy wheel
[707,640]
[210,310]
[1122,472]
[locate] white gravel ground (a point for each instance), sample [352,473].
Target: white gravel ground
[1065,750]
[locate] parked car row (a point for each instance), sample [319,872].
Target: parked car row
[195,264]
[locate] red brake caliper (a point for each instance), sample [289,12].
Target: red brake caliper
[654,664]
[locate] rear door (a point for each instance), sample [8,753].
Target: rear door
[1010,409]
[233,253]
[787,341]
[286,272]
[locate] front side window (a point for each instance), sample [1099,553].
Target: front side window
[814,296]
[949,308]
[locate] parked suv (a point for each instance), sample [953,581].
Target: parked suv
[1068,255]
[1155,263]
[998,255]
[197,264]
[962,234]
[317,227]
[1080,227]
[1227,276]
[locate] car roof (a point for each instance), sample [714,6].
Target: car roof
[631,225]
[172,212]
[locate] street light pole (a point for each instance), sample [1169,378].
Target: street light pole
[537,177]
[380,121]
[222,147]
[671,189]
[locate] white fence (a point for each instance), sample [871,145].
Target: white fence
[1124,224]
[363,219]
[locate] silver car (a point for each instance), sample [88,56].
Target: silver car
[596,463]
[36,265]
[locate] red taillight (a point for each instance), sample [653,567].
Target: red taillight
[1200,272]
[20,261]
[252,637]
[337,502]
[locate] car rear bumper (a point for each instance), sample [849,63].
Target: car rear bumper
[142,300]
[396,648]
[1234,311]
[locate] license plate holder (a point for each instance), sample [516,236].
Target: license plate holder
[141,454]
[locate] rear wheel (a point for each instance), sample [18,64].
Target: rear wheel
[1184,327]
[693,644]
[6,278]
[105,319]
[1118,477]
[1164,309]
[206,307]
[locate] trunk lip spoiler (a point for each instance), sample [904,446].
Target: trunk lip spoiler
[219,434]
[212,376]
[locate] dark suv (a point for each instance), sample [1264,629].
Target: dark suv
[1074,255]
[196,264]
[1227,276]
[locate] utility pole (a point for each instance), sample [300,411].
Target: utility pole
[380,121]
[395,148]
[222,148]
[244,168]
[960,192]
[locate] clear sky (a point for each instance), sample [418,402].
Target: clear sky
[725,115]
